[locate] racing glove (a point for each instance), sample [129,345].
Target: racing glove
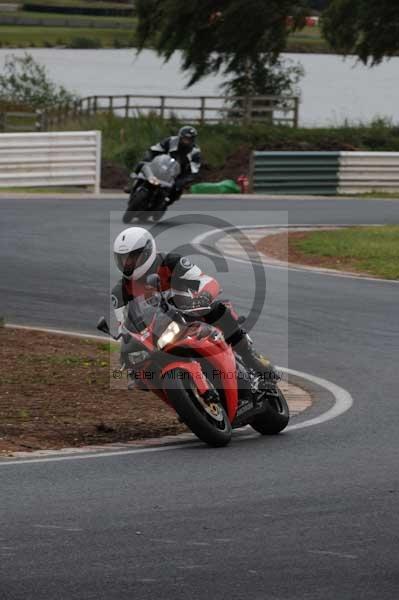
[200,303]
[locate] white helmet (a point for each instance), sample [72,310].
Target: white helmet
[134,252]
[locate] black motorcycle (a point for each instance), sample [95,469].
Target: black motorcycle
[149,195]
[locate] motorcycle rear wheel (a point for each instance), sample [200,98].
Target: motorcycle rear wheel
[211,425]
[276,416]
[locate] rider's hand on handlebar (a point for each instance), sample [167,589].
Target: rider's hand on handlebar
[200,302]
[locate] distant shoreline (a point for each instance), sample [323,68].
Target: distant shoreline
[51,31]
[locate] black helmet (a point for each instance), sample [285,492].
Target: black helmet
[187,137]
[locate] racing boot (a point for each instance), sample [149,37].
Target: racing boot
[253,360]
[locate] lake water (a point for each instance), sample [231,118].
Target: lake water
[333,89]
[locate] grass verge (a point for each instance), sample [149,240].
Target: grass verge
[309,40]
[95,21]
[48,190]
[73,37]
[372,250]
[56,392]
[379,196]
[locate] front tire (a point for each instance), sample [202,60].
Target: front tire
[183,395]
[137,202]
[158,214]
[276,416]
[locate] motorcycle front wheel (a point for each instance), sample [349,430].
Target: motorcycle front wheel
[159,213]
[209,422]
[275,417]
[137,203]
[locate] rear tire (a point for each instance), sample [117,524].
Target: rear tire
[183,396]
[276,416]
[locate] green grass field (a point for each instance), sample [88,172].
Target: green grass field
[373,250]
[28,37]
[66,17]
[308,39]
[23,36]
[82,4]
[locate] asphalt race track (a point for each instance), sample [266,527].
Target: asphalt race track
[309,515]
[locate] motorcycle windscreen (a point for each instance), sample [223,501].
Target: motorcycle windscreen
[165,168]
[145,312]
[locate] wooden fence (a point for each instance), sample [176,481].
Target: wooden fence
[196,109]
[200,109]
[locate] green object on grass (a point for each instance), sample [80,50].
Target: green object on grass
[227,186]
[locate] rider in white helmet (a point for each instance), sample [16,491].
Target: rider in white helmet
[184,285]
[134,252]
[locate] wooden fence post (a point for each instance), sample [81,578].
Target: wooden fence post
[202,109]
[39,120]
[75,109]
[111,104]
[127,106]
[162,114]
[248,109]
[296,112]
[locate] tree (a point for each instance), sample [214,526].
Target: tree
[318,5]
[259,78]
[26,82]
[367,28]
[219,35]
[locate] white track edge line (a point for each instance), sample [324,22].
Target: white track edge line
[343,402]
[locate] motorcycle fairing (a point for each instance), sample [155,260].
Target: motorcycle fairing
[221,357]
[193,368]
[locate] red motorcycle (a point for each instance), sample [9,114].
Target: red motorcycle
[189,365]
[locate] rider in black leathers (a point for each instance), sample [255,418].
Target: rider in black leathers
[182,148]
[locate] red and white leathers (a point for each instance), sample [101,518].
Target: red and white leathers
[181,282]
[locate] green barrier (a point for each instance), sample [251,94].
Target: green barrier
[295,172]
[227,186]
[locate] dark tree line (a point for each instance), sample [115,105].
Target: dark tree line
[319,5]
[245,38]
[366,28]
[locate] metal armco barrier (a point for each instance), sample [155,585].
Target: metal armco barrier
[295,172]
[362,172]
[50,159]
[324,173]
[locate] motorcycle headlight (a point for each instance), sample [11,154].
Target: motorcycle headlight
[170,333]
